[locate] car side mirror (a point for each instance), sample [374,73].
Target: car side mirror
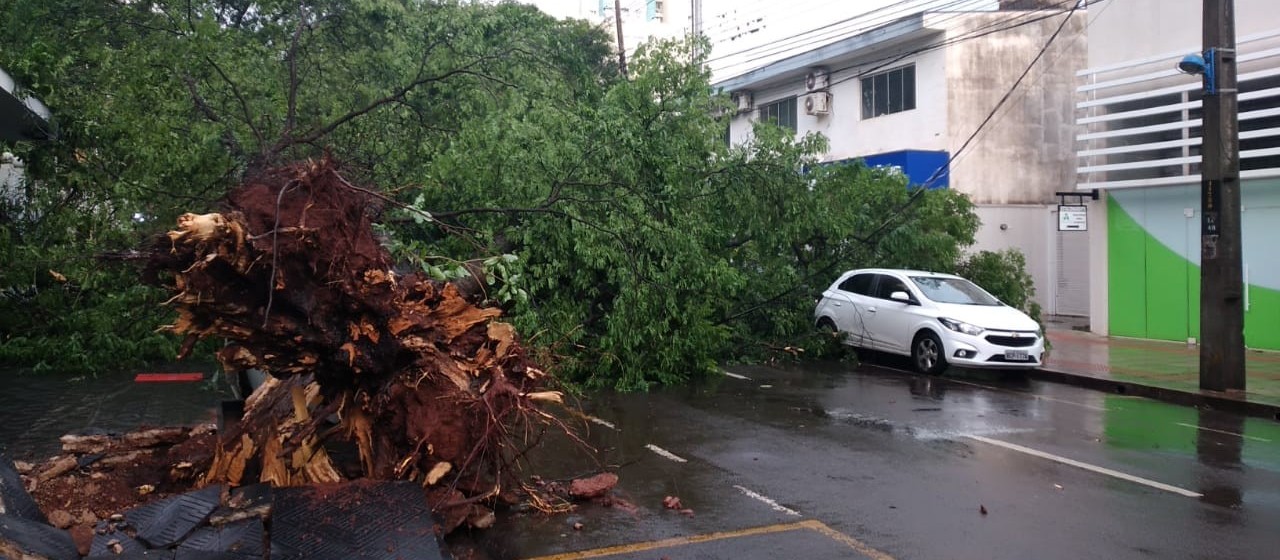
[900,296]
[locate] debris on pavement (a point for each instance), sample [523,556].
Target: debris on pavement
[672,502]
[373,374]
[594,486]
[385,390]
[982,509]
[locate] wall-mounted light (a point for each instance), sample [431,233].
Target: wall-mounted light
[1201,65]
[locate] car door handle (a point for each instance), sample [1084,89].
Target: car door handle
[837,304]
[871,309]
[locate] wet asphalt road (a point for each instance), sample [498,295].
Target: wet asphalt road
[836,462]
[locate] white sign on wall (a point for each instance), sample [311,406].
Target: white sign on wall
[1073,218]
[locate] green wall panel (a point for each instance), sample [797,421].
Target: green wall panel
[1155,291]
[1166,283]
[1126,280]
[1262,320]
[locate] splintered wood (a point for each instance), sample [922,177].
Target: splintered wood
[375,374]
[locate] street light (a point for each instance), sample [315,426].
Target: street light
[1197,64]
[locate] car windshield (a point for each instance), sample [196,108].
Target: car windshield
[953,290]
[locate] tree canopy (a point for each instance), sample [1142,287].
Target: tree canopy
[627,240]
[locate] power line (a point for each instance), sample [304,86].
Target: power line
[1039,77]
[894,8]
[959,151]
[978,32]
[834,34]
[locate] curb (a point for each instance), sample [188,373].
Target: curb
[1202,399]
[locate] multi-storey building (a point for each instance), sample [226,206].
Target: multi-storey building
[1139,145]
[921,93]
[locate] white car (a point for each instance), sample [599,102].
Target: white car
[936,319]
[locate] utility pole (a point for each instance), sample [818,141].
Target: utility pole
[696,28]
[1222,365]
[622,49]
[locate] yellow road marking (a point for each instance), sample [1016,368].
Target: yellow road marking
[853,543]
[809,524]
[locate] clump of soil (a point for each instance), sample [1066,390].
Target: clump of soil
[400,372]
[99,476]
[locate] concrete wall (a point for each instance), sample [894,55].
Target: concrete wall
[1027,152]
[1123,30]
[1013,167]
[1099,311]
[1027,229]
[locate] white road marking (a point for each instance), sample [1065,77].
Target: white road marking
[604,423]
[666,454]
[737,376]
[768,501]
[1030,395]
[1221,432]
[1088,467]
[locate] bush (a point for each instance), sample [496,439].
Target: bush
[1004,274]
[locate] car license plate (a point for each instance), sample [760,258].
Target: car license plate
[1016,355]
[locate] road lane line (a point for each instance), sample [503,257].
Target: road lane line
[1221,432]
[1031,395]
[601,422]
[737,376]
[808,524]
[768,501]
[666,454]
[1087,466]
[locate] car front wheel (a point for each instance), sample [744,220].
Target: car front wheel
[927,354]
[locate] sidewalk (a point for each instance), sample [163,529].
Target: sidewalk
[1162,370]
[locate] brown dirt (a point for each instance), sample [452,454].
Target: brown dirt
[132,471]
[422,381]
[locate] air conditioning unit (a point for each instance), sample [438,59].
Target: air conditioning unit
[744,101]
[818,79]
[817,103]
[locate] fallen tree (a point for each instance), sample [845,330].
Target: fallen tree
[374,374]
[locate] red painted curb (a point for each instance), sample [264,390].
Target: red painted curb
[168,377]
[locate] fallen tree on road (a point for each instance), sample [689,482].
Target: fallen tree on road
[375,375]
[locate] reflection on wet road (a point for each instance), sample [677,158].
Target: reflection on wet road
[835,462]
[37,409]
[920,467]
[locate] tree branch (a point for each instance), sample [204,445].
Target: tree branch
[292,56]
[244,105]
[395,96]
[204,108]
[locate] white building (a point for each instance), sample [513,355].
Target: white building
[1139,144]
[641,19]
[911,93]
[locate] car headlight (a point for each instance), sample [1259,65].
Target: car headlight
[960,326]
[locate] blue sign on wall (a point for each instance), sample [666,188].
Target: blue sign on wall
[918,165]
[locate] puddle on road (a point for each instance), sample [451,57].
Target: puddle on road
[922,433]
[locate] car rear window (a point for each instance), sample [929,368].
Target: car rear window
[859,284]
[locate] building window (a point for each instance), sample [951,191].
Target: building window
[889,92]
[653,10]
[781,113]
